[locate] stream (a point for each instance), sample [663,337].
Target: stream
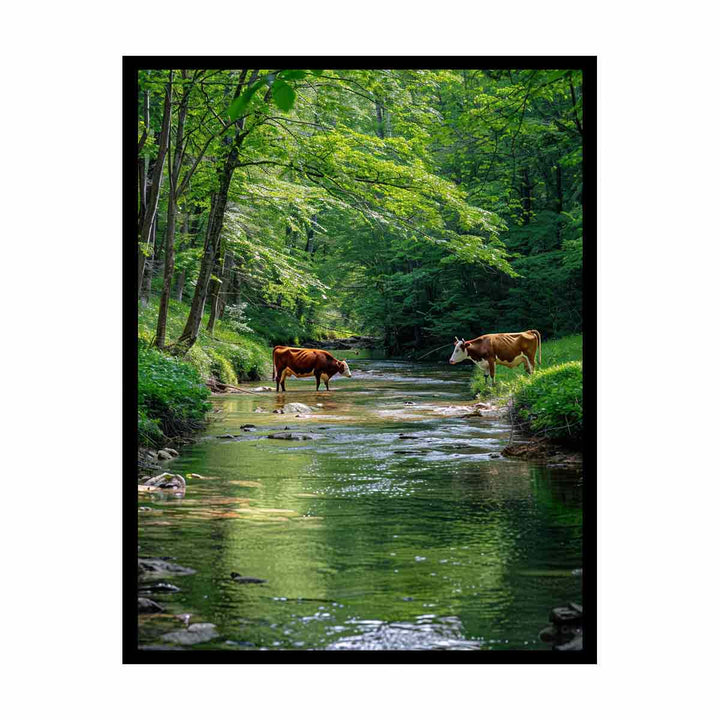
[367,540]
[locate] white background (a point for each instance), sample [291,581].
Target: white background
[658,358]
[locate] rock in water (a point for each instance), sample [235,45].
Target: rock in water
[166,481]
[196,633]
[292,436]
[160,588]
[146,605]
[296,407]
[246,579]
[163,455]
[159,567]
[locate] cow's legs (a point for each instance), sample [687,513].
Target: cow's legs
[317,381]
[529,364]
[491,370]
[327,384]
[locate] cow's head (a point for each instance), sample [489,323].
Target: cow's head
[460,351]
[344,369]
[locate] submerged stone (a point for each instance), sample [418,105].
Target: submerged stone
[246,579]
[157,566]
[146,605]
[194,634]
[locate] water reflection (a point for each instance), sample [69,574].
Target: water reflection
[367,540]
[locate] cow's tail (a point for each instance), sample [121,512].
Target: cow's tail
[536,333]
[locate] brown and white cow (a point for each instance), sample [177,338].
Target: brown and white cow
[509,349]
[304,362]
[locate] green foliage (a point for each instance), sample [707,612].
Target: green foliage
[221,368]
[414,205]
[550,403]
[170,392]
[149,432]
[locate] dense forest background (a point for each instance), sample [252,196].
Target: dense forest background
[411,205]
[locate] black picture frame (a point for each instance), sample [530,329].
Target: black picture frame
[130,652]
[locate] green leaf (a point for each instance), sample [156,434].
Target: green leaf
[283,95]
[317,73]
[292,74]
[240,103]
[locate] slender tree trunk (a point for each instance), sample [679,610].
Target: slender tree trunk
[173,174]
[150,215]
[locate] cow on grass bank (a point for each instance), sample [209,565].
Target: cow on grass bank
[509,349]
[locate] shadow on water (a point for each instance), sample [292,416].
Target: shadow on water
[394,529]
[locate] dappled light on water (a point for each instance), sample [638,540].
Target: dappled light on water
[394,527]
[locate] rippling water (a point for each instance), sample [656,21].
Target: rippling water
[367,540]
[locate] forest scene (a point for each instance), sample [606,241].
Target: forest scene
[360,344]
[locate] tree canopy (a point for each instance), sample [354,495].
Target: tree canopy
[409,204]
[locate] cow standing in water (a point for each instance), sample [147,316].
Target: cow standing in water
[304,362]
[509,349]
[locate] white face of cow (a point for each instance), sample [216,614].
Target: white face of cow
[345,369]
[458,353]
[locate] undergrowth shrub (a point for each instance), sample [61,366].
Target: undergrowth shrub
[170,392]
[550,403]
[221,368]
[200,360]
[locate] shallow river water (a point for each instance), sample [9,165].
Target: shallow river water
[367,540]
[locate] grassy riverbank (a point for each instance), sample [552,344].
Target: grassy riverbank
[172,395]
[549,402]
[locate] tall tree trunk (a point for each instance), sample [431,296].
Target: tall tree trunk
[173,174]
[210,252]
[218,203]
[215,286]
[150,215]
